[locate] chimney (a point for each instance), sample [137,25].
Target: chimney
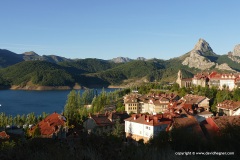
[147,118]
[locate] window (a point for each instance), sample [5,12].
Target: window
[148,128]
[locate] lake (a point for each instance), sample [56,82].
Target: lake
[15,102]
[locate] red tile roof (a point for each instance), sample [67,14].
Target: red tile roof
[229,104]
[193,99]
[4,135]
[51,124]
[152,98]
[219,76]
[222,121]
[109,118]
[152,120]
[188,122]
[201,76]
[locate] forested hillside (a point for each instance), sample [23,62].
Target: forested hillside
[89,65]
[134,69]
[31,68]
[38,72]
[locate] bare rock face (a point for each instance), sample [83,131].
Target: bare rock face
[235,55]
[141,59]
[31,56]
[197,57]
[224,66]
[198,61]
[236,50]
[203,47]
[121,60]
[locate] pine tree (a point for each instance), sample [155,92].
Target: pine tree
[70,109]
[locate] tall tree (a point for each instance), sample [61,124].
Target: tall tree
[70,109]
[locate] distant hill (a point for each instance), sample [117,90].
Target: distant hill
[89,65]
[135,69]
[30,68]
[8,58]
[121,60]
[126,59]
[31,56]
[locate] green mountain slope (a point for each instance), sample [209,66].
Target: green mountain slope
[38,72]
[133,69]
[89,65]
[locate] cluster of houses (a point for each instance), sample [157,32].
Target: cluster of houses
[219,80]
[164,112]
[146,116]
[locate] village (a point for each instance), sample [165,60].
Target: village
[146,116]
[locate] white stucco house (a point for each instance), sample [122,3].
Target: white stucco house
[140,126]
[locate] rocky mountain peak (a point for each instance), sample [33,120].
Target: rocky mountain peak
[198,56]
[203,47]
[121,60]
[30,53]
[197,61]
[141,58]
[236,50]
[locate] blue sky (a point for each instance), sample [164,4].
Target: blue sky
[111,28]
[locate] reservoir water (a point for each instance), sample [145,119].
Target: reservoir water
[13,102]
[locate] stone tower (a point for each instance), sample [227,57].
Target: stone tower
[179,78]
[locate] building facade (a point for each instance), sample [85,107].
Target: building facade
[140,126]
[153,104]
[221,81]
[132,103]
[183,82]
[103,123]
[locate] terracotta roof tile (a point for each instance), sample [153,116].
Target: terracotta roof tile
[229,104]
[101,120]
[152,120]
[193,99]
[50,124]
[219,76]
[188,122]
[201,76]
[4,135]
[223,121]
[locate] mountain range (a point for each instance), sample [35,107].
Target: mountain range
[32,71]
